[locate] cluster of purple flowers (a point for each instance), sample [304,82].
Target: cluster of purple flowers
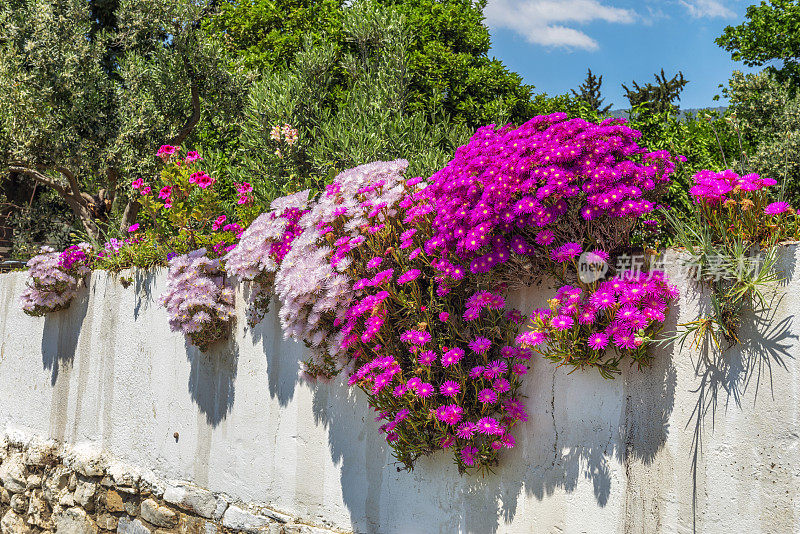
[712,188]
[197,299]
[54,279]
[432,389]
[315,280]
[735,205]
[620,313]
[507,187]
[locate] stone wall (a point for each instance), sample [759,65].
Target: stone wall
[695,442]
[48,487]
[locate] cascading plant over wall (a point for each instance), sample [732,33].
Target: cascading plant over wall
[54,279]
[197,299]
[731,243]
[399,282]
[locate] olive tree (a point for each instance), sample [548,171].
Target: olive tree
[90,89]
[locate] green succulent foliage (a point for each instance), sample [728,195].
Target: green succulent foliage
[445,53]
[769,36]
[767,113]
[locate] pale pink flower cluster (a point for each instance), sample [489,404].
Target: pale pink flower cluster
[262,246]
[197,299]
[314,291]
[52,283]
[286,132]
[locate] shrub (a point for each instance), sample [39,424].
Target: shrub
[54,278]
[197,299]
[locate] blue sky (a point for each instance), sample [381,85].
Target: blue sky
[550,43]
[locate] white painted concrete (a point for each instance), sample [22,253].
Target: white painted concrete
[597,456]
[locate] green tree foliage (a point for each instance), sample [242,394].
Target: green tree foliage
[268,34]
[91,89]
[767,113]
[446,51]
[656,97]
[769,36]
[590,93]
[369,121]
[707,140]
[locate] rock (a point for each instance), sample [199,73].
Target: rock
[210,528]
[19,503]
[222,505]
[55,484]
[87,459]
[236,518]
[132,526]
[12,473]
[131,505]
[192,525]
[192,498]
[13,523]
[277,516]
[67,500]
[40,454]
[38,510]
[158,515]
[114,502]
[85,491]
[74,521]
[149,483]
[124,476]
[5,496]
[106,522]
[33,481]
[73,482]
[107,482]
[304,529]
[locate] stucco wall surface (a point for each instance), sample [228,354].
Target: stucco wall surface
[695,443]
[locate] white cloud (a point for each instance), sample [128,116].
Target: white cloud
[547,22]
[708,8]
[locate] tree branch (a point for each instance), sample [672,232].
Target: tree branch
[41,178]
[129,215]
[73,182]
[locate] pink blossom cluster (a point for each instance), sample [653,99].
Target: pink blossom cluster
[262,247]
[713,188]
[243,191]
[432,389]
[54,279]
[620,313]
[507,186]
[197,298]
[312,283]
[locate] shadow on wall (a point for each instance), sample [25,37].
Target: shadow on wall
[212,379]
[725,377]
[60,335]
[578,424]
[143,287]
[282,373]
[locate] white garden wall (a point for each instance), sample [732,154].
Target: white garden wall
[706,443]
